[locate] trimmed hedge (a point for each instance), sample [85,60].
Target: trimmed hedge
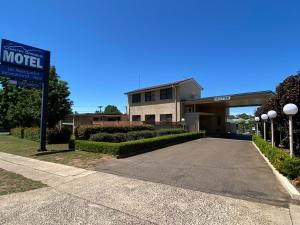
[32,133]
[138,146]
[134,135]
[280,159]
[106,137]
[84,133]
[17,132]
[58,136]
[54,136]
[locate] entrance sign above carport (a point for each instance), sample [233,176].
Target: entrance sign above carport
[234,100]
[221,98]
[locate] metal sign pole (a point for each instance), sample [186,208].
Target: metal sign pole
[44,108]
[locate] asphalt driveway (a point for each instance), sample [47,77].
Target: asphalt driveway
[214,165]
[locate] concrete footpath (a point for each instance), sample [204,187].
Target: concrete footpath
[78,196]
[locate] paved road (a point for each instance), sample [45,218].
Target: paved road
[77,196]
[222,166]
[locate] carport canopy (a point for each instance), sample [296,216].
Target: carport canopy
[236,100]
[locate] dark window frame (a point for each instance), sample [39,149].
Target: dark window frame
[149,96]
[136,116]
[166,93]
[136,98]
[150,115]
[166,119]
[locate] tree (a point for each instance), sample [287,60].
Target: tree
[21,107]
[59,104]
[244,116]
[111,109]
[286,92]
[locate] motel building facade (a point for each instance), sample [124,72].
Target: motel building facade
[169,103]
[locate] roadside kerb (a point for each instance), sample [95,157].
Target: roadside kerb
[293,192]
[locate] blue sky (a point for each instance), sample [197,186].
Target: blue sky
[102,47]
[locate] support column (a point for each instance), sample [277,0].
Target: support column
[265,136]
[272,131]
[291,136]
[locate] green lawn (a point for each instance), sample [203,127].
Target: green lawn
[11,183]
[57,153]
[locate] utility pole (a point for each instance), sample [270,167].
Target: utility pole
[100,108]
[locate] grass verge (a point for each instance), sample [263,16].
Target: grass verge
[57,153]
[11,183]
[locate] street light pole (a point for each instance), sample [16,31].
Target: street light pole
[291,135]
[290,110]
[256,120]
[272,114]
[264,117]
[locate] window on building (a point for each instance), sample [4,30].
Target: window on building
[150,119]
[165,117]
[136,117]
[136,98]
[166,93]
[150,96]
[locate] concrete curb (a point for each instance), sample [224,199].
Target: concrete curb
[293,192]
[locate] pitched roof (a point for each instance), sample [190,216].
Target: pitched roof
[164,85]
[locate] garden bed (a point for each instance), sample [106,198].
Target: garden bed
[128,148]
[280,159]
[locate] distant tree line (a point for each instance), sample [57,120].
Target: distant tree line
[244,122]
[110,110]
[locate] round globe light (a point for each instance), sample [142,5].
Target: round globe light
[256,119]
[272,114]
[290,109]
[182,119]
[264,116]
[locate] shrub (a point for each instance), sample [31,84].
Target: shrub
[17,132]
[133,135]
[54,136]
[156,142]
[162,132]
[93,146]
[136,135]
[106,137]
[58,136]
[138,146]
[84,133]
[280,159]
[32,133]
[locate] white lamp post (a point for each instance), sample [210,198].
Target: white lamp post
[183,123]
[272,115]
[290,110]
[256,120]
[264,117]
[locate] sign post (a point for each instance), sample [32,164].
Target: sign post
[29,67]
[44,108]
